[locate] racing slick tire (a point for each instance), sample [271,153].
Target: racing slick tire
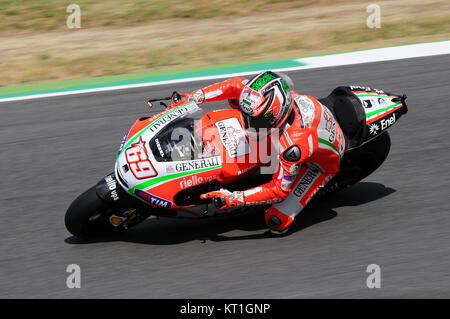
[88,216]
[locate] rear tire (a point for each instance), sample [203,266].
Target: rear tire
[371,155]
[88,216]
[359,163]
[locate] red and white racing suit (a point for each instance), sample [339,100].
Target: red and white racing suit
[311,147]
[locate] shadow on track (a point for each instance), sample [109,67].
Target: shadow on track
[167,231]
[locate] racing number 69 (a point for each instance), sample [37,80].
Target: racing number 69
[137,158]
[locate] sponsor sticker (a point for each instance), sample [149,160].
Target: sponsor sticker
[153,200]
[306,181]
[381,124]
[170,168]
[264,202]
[195,180]
[382,101]
[367,104]
[374,128]
[289,177]
[327,126]
[250,99]
[245,170]
[233,137]
[287,180]
[365,88]
[387,122]
[159,123]
[197,164]
[294,169]
[158,145]
[112,186]
[307,110]
[116,220]
[374,103]
[246,108]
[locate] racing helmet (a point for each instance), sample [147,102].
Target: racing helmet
[266,102]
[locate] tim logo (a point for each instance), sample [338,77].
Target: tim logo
[153,200]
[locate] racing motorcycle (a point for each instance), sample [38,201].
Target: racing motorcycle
[166,161]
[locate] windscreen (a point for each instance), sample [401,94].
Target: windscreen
[180,140]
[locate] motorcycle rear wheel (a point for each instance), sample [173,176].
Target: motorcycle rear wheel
[358,164]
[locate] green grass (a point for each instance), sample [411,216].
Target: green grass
[45,64]
[428,25]
[43,15]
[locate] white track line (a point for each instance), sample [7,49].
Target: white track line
[366,56]
[378,55]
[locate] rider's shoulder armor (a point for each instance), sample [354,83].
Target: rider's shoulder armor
[305,106]
[302,128]
[292,154]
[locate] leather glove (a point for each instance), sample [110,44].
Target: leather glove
[223,198]
[234,103]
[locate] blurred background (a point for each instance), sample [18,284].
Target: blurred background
[119,36]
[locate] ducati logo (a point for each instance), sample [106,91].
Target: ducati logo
[292,154]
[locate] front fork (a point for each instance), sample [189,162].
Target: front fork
[127,211]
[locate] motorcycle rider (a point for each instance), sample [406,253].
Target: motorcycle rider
[311,143]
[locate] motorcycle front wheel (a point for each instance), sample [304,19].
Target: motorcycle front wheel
[88,216]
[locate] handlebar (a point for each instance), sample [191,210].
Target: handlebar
[175,96]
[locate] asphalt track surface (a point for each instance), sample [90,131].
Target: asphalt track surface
[399,218]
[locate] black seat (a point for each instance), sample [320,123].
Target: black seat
[349,113]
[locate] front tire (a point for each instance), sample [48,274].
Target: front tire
[88,216]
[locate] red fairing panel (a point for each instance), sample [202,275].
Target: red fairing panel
[239,153]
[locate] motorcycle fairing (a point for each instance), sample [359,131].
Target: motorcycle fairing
[364,113]
[377,103]
[382,109]
[151,137]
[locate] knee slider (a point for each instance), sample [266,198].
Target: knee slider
[276,220]
[273,222]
